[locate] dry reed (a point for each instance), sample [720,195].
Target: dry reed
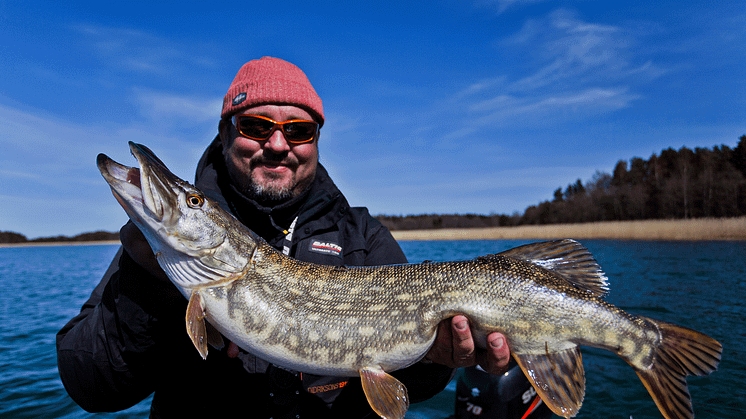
[697,229]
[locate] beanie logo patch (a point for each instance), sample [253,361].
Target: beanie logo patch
[239,98]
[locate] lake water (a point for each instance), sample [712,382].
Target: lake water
[701,285]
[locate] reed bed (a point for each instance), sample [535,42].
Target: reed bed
[692,230]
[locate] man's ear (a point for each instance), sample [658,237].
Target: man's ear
[224,131]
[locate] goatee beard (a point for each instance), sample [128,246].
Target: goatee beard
[272,190]
[270,193]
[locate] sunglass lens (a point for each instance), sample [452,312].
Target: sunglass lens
[255,127]
[300,131]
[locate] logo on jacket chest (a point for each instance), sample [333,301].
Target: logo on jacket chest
[325,247]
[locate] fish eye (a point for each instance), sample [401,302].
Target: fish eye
[194,200]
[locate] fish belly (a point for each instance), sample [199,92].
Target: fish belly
[309,341]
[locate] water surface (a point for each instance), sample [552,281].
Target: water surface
[701,285]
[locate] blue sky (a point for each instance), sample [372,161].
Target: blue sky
[431,107]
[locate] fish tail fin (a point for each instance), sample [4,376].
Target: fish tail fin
[681,352]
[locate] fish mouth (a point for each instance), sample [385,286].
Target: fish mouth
[146,192]
[191,251]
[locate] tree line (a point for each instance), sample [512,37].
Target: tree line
[672,184]
[17,238]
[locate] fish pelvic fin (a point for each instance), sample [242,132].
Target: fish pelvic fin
[681,352]
[214,338]
[558,378]
[568,259]
[386,395]
[195,323]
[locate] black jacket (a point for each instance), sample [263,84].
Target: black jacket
[129,339]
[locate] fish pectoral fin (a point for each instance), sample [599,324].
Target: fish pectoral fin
[386,395]
[195,323]
[558,378]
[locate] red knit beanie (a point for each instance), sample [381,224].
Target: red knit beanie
[271,81]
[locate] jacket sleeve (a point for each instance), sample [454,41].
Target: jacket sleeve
[107,355]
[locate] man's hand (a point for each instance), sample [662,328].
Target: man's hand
[454,347]
[139,250]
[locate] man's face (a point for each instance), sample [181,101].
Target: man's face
[271,170]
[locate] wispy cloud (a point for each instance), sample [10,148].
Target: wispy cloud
[501,6]
[163,107]
[18,174]
[480,86]
[567,50]
[572,69]
[51,160]
[140,51]
[588,100]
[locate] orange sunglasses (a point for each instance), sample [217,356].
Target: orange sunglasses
[260,128]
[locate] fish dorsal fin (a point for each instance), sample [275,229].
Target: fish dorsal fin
[568,259]
[386,395]
[558,378]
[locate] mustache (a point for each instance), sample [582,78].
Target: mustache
[267,157]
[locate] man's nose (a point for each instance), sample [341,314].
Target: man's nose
[276,142]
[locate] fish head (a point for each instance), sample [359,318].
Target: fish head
[194,240]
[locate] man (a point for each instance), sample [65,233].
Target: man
[129,339]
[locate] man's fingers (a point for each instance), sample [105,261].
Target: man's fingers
[496,358]
[463,342]
[454,347]
[442,350]
[137,247]
[233,350]
[444,337]
[130,236]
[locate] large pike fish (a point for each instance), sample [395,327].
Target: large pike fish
[546,298]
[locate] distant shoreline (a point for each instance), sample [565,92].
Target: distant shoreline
[703,229]
[61,243]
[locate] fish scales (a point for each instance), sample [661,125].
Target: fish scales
[546,298]
[362,310]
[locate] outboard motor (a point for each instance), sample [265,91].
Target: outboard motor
[507,396]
